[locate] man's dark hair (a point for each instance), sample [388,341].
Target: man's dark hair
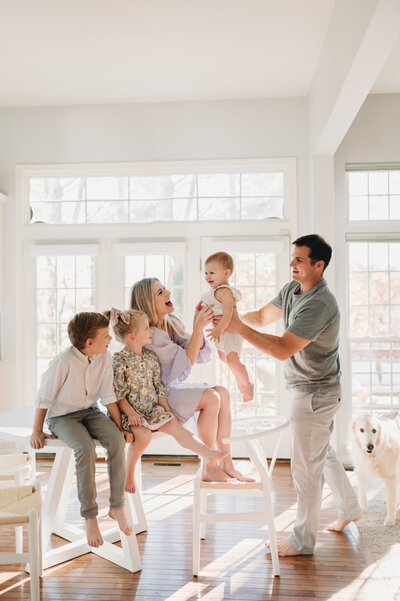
[319,249]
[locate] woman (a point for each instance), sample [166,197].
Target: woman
[177,351]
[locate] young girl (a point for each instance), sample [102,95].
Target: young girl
[141,395]
[223,297]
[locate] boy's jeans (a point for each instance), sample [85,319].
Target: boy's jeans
[78,430]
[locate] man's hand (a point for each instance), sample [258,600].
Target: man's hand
[134,419]
[164,404]
[38,439]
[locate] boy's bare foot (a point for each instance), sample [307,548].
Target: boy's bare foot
[232,472]
[123,524]
[130,484]
[248,393]
[285,548]
[93,533]
[213,456]
[214,474]
[341,524]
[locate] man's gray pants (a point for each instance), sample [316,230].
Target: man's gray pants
[78,429]
[313,461]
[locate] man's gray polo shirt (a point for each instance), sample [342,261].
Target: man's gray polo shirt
[314,316]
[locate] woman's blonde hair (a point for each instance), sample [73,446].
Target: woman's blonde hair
[142,299]
[121,328]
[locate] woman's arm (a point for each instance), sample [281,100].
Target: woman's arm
[202,318]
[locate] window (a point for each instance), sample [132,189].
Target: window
[374,310]
[64,286]
[231,194]
[374,194]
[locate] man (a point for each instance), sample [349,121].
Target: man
[309,347]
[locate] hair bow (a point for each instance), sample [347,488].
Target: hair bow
[116,314]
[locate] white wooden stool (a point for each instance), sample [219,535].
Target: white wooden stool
[250,431]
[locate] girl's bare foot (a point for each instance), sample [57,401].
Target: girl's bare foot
[341,523]
[248,393]
[285,548]
[130,484]
[93,533]
[232,472]
[123,524]
[212,457]
[214,474]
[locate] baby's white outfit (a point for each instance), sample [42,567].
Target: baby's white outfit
[230,342]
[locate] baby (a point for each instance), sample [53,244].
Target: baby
[223,297]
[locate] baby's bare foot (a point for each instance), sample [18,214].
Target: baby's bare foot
[285,548]
[130,484]
[248,393]
[213,457]
[93,533]
[123,524]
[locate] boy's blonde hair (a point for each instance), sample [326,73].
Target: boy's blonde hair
[84,326]
[223,259]
[142,299]
[121,328]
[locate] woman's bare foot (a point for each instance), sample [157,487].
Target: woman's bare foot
[232,472]
[130,483]
[341,523]
[214,474]
[123,524]
[248,393]
[285,548]
[93,533]
[212,457]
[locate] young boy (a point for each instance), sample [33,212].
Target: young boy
[70,387]
[223,297]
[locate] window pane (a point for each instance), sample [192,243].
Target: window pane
[107,212]
[107,188]
[219,208]
[69,282]
[219,184]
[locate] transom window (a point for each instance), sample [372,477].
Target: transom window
[374,194]
[150,198]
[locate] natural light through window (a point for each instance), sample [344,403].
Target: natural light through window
[374,194]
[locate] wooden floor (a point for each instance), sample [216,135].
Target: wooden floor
[234,563]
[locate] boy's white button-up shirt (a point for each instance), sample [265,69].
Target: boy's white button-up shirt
[73,382]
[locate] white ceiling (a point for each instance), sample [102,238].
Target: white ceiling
[97,51]
[58,52]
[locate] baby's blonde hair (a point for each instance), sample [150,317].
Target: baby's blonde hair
[121,329]
[223,259]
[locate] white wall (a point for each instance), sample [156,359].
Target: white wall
[168,131]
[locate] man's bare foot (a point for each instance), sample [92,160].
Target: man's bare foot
[341,524]
[93,533]
[212,457]
[130,484]
[248,393]
[232,472]
[214,474]
[123,524]
[285,548]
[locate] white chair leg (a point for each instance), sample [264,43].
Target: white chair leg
[33,536]
[196,526]
[203,511]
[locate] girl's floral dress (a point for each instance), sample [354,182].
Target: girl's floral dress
[137,379]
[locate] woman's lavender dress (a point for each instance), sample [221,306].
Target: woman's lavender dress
[183,397]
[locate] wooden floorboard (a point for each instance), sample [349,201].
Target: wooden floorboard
[234,563]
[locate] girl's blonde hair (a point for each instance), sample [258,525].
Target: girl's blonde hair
[121,329]
[142,299]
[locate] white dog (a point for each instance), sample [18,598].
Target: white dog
[376,452]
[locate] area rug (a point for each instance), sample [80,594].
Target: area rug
[383,542]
